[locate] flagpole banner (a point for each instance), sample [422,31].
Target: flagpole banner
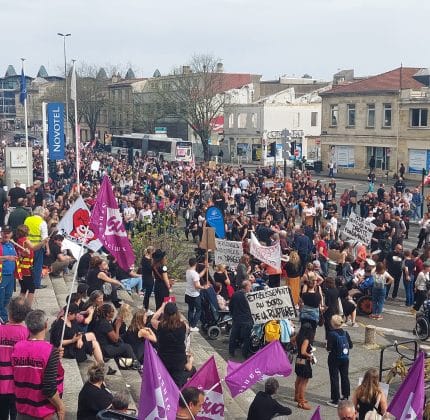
[215,219]
[207,379]
[270,255]
[55,111]
[272,304]
[159,394]
[23,88]
[408,402]
[358,229]
[106,223]
[269,361]
[74,225]
[228,252]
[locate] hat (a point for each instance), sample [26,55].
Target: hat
[6,229]
[170,308]
[158,255]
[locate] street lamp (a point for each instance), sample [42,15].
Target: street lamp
[65,82]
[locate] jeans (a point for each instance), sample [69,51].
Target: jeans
[132,282]
[338,367]
[240,331]
[194,309]
[352,207]
[6,292]
[37,267]
[409,290]
[148,286]
[395,285]
[416,212]
[344,211]
[324,266]
[7,407]
[378,299]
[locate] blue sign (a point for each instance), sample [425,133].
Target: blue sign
[56,141]
[215,219]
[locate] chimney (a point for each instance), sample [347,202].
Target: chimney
[219,67]
[186,69]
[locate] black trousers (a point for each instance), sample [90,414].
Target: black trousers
[112,351]
[420,297]
[240,332]
[7,407]
[338,367]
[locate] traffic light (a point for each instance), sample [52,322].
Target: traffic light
[273,149]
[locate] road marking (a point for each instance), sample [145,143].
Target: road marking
[397,312]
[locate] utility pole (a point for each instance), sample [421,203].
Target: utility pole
[65,84]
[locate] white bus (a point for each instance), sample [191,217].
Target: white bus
[153,144]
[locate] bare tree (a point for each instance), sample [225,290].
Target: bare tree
[92,95]
[195,94]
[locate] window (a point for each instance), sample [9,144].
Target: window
[241,120]
[254,120]
[381,156]
[298,119]
[351,115]
[371,115]
[334,114]
[314,119]
[419,117]
[231,120]
[387,115]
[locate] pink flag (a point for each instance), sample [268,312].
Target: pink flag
[159,395]
[207,379]
[106,223]
[316,415]
[270,360]
[408,402]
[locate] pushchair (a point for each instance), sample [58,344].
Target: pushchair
[212,318]
[422,323]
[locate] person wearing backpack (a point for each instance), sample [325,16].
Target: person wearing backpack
[338,345]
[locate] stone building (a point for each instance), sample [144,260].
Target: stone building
[385,116]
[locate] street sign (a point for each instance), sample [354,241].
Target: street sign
[296,152]
[160,130]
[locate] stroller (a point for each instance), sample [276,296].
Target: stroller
[212,318]
[422,323]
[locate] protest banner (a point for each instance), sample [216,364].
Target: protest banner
[270,255]
[228,252]
[272,304]
[358,229]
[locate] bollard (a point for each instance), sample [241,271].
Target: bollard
[370,335]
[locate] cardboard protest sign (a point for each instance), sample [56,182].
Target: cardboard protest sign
[208,239]
[272,304]
[270,255]
[358,229]
[228,252]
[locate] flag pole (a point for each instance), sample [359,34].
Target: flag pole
[26,127]
[45,143]
[75,274]
[77,140]
[186,405]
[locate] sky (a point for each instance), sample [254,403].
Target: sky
[267,37]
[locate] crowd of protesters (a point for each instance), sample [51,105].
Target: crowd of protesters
[302,214]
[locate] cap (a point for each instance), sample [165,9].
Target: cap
[6,229]
[158,255]
[170,308]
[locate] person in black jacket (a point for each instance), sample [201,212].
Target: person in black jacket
[338,345]
[241,320]
[264,407]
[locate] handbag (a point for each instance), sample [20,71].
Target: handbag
[374,415]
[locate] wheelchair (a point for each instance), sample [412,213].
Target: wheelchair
[422,322]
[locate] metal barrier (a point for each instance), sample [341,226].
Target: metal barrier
[396,345]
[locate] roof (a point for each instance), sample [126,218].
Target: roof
[233,81]
[42,72]
[10,71]
[391,81]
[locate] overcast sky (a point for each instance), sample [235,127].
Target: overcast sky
[267,37]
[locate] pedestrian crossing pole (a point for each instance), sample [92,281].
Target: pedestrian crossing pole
[423,175]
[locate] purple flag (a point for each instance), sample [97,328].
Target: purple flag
[269,361]
[159,395]
[207,379]
[317,414]
[408,402]
[106,223]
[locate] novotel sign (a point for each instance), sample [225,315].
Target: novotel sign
[56,139]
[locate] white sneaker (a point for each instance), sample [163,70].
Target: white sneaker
[194,329]
[354,325]
[149,312]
